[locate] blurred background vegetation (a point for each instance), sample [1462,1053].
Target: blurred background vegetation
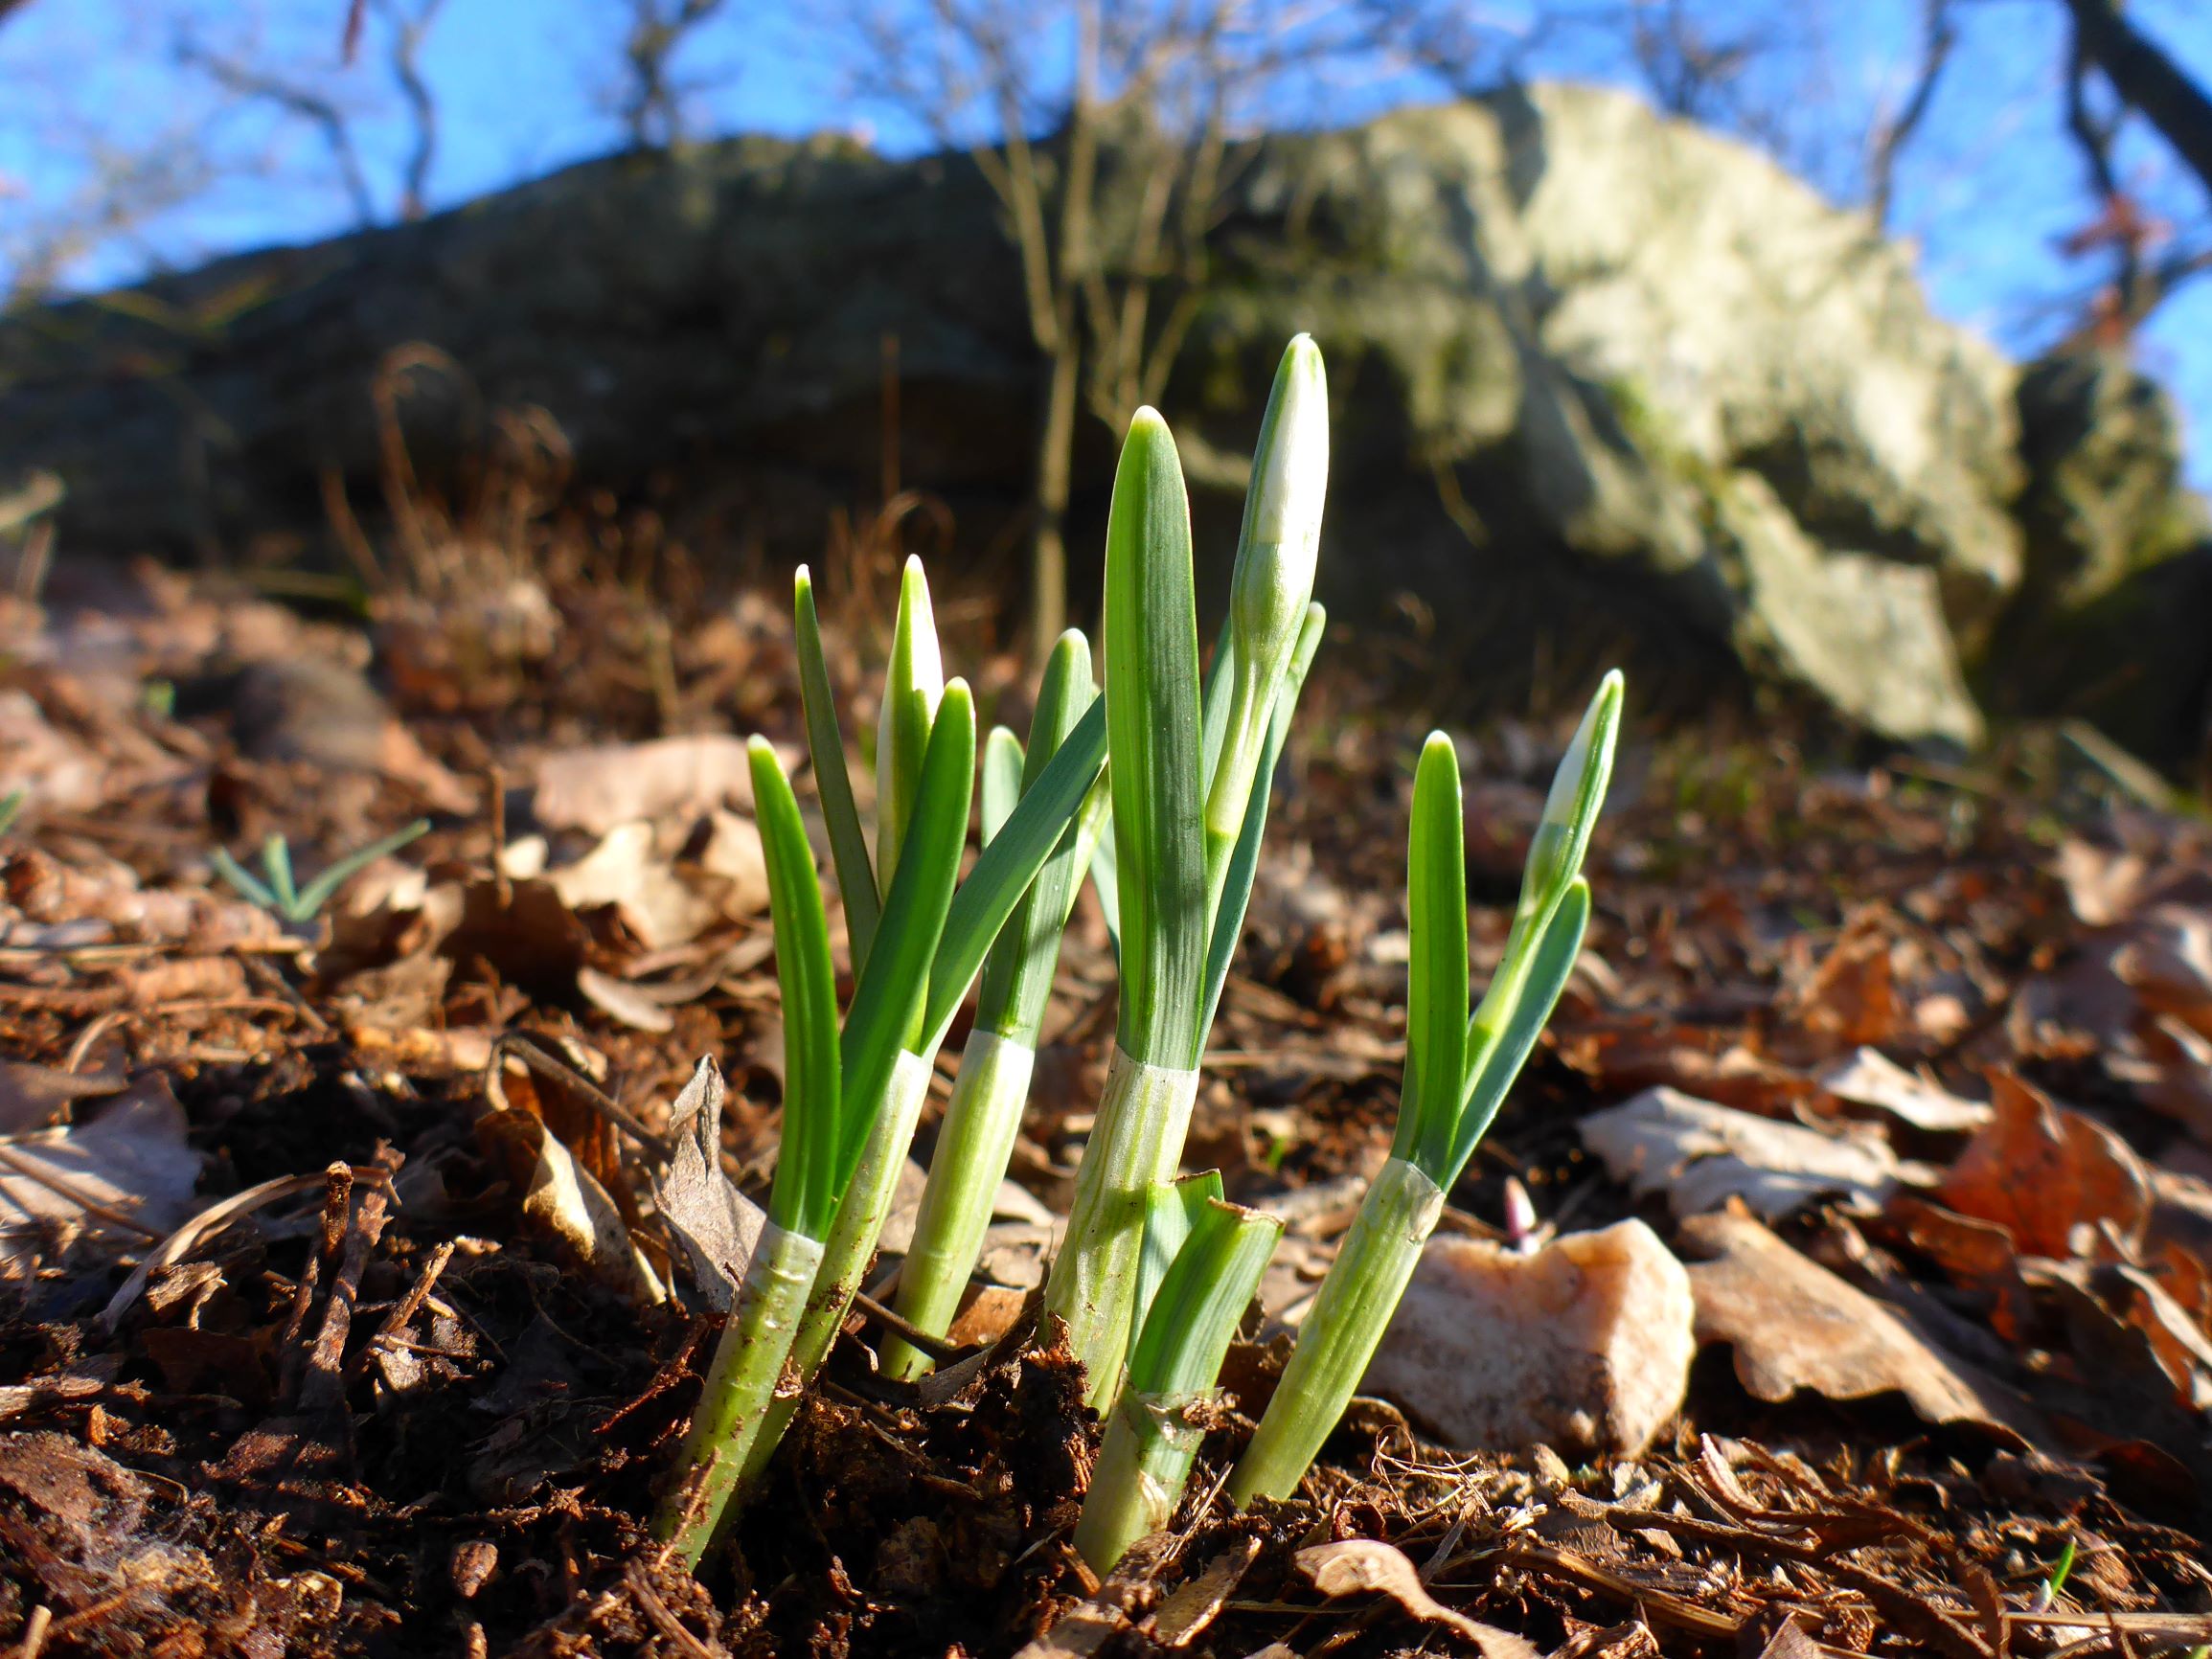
[1907,442]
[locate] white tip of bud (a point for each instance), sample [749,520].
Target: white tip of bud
[1290,472]
[1275,567]
[913,687]
[916,665]
[1578,790]
[1521,1219]
[1589,757]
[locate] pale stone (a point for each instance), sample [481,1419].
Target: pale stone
[1585,1345]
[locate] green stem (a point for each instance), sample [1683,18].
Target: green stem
[849,1248]
[1143,1465]
[974,1150]
[1143,1116]
[740,1390]
[1341,1332]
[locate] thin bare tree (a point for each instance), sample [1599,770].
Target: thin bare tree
[294,95]
[1894,129]
[329,105]
[1105,131]
[2115,72]
[408,25]
[650,102]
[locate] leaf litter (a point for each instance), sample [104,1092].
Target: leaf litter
[421,1266]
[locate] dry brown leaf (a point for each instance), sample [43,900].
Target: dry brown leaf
[1851,998]
[2183,1349]
[1871,1079]
[626,871]
[1701,1156]
[2168,962]
[33,1095]
[1795,1326]
[57,771]
[125,1176]
[1193,1605]
[561,1196]
[597,788]
[718,1225]
[2051,1176]
[1357,1566]
[622,1001]
[184,979]
[2102,883]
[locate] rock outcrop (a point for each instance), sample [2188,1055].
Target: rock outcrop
[1606,385]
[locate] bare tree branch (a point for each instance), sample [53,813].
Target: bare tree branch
[651,102]
[250,84]
[408,29]
[1113,258]
[2147,80]
[1938,39]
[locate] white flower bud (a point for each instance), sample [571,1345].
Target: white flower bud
[1281,539]
[913,686]
[1273,581]
[1569,811]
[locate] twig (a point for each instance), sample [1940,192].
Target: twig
[522,1046]
[325,1387]
[936,1347]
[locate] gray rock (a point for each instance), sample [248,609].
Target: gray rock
[1583,1347]
[2112,620]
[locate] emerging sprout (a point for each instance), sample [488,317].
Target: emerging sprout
[278,895]
[1458,1071]
[855,1088]
[1182,876]
[1202,1261]
[1272,581]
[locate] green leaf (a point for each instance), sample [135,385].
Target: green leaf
[1002,768]
[1436,999]
[1151,702]
[832,782]
[887,1004]
[317,893]
[1496,1060]
[1017,975]
[1244,866]
[1200,1300]
[1106,880]
[277,860]
[250,886]
[1172,1209]
[806,1191]
[1008,866]
[913,680]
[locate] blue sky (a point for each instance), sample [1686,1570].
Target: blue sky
[526,86]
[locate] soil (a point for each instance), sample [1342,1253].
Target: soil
[387,1411]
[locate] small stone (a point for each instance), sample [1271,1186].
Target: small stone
[1585,1345]
[472,1565]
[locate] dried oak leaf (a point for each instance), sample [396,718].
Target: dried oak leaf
[1793,1325]
[1357,1565]
[1701,1156]
[597,788]
[1869,1077]
[125,1174]
[718,1225]
[559,1194]
[2053,1178]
